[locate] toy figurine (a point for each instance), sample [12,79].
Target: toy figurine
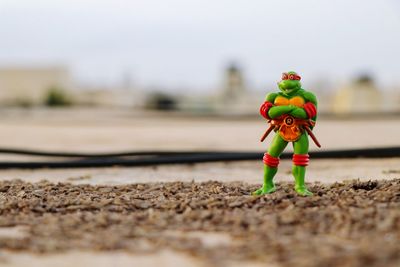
[292,114]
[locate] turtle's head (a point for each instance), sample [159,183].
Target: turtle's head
[290,82]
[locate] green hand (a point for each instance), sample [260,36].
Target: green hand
[298,113]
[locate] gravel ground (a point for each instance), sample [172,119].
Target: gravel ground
[353,223]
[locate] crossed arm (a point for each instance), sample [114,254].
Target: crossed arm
[309,110]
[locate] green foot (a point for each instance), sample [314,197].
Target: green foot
[303,191]
[264,190]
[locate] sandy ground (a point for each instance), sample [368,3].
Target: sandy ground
[321,170]
[122,130]
[113,130]
[102,131]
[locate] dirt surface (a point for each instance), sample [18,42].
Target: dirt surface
[354,223]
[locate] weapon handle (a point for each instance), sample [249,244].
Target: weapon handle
[267,132]
[311,134]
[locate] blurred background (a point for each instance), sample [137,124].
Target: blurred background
[129,75]
[108,75]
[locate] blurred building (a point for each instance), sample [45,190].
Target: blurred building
[123,94]
[234,96]
[361,96]
[29,85]
[106,97]
[234,87]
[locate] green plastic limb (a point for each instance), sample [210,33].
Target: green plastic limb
[277,111]
[298,113]
[275,150]
[310,97]
[271,97]
[299,172]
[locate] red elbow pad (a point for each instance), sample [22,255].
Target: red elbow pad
[264,109]
[310,109]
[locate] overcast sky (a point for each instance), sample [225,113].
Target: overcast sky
[187,43]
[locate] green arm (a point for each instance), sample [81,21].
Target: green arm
[271,97]
[310,97]
[300,112]
[277,111]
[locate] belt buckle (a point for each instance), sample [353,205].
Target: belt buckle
[288,121]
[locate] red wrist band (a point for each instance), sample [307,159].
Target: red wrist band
[310,109]
[265,108]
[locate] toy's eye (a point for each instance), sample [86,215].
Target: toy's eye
[284,76]
[291,77]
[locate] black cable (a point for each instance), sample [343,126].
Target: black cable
[179,157]
[29,152]
[343,153]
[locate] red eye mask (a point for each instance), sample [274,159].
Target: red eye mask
[291,76]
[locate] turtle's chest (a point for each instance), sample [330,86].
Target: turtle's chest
[295,101]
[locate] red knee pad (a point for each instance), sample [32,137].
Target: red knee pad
[270,160]
[301,160]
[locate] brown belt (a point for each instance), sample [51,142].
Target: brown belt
[290,128]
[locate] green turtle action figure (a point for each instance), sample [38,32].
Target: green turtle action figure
[292,114]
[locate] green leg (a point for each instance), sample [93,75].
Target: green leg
[299,172]
[275,150]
